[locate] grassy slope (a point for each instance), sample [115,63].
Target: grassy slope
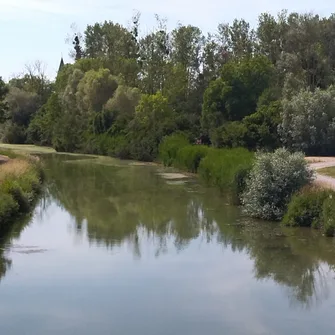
[20,181]
[24,148]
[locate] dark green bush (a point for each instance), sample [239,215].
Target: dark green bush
[233,134]
[328,216]
[189,157]
[226,169]
[169,147]
[14,134]
[144,148]
[12,187]
[119,147]
[305,208]
[8,208]
[97,144]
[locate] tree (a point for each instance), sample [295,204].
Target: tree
[21,106]
[43,127]
[117,46]
[235,94]
[34,80]
[270,37]
[77,48]
[308,121]
[153,120]
[3,103]
[154,51]
[238,39]
[121,109]
[262,127]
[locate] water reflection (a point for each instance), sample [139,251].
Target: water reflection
[113,205]
[7,237]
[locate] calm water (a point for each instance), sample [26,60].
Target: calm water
[117,249]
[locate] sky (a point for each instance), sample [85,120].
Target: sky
[33,30]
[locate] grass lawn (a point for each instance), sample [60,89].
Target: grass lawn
[24,148]
[329,171]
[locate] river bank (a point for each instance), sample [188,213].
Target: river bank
[20,182]
[276,186]
[269,193]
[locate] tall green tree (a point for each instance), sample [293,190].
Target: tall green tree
[153,120]
[235,94]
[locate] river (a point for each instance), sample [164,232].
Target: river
[115,248]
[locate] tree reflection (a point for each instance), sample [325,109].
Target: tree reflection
[134,205]
[6,239]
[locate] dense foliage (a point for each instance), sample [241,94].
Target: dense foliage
[312,207]
[266,87]
[225,169]
[305,207]
[170,146]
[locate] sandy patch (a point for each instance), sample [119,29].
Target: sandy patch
[171,175]
[143,164]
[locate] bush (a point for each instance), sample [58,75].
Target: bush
[272,181]
[97,144]
[189,157]
[119,147]
[226,169]
[144,148]
[305,208]
[169,147]
[328,216]
[8,208]
[12,187]
[14,134]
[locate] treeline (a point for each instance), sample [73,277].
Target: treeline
[267,87]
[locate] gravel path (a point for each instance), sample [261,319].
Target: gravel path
[319,163]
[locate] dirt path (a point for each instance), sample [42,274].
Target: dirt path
[319,163]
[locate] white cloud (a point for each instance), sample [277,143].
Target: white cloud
[183,10]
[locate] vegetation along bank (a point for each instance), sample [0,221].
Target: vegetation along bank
[20,182]
[275,186]
[245,92]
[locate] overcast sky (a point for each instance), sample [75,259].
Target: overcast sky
[36,29]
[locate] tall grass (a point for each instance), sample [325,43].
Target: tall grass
[189,157]
[226,169]
[170,146]
[20,181]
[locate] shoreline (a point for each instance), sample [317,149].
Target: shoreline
[21,180]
